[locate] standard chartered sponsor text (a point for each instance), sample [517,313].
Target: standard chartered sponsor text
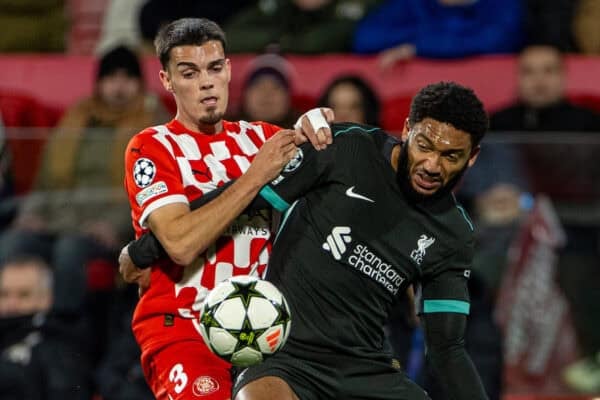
[373,266]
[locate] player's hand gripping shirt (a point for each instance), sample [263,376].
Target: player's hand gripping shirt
[353,243]
[170,164]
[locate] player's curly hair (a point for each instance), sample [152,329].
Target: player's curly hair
[451,103]
[186,31]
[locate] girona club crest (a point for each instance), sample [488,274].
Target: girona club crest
[205,385]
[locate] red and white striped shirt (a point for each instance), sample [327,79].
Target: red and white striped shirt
[171,164]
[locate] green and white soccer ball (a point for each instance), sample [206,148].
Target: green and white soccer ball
[244,320]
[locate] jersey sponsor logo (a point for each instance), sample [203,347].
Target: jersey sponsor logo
[422,244]
[351,193]
[366,261]
[144,171]
[150,192]
[336,241]
[362,259]
[205,385]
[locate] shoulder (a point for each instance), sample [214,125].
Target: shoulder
[146,135]
[461,223]
[148,141]
[357,133]
[451,221]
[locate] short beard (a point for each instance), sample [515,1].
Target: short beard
[211,118]
[403,179]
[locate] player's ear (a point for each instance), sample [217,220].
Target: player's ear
[165,79]
[473,156]
[405,130]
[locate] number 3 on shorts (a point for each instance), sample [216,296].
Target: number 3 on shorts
[178,377]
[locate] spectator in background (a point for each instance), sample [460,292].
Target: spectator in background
[402,29]
[8,202]
[77,217]
[40,354]
[541,103]
[352,100]
[156,13]
[296,26]
[551,22]
[32,26]
[267,92]
[120,25]
[119,375]
[83,162]
[542,107]
[586,28]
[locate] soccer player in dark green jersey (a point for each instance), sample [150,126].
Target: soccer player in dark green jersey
[365,218]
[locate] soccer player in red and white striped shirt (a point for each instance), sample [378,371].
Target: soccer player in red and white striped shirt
[169,165]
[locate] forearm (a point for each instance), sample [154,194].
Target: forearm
[457,374]
[146,250]
[191,233]
[449,359]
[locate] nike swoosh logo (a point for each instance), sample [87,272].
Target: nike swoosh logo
[350,193]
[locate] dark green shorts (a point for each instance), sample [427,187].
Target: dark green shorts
[319,376]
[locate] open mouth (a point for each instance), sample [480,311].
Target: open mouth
[426,184]
[209,101]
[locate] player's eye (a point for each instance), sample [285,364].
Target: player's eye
[189,74]
[422,146]
[216,68]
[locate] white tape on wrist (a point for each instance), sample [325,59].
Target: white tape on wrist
[316,119]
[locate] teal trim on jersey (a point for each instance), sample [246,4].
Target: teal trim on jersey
[274,199]
[453,306]
[355,127]
[465,216]
[286,215]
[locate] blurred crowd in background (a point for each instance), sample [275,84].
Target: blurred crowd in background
[534,193]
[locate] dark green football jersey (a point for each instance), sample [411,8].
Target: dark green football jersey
[351,242]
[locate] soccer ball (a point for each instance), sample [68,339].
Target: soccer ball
[244,320]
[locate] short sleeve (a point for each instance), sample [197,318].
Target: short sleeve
[446,289]
[152,177]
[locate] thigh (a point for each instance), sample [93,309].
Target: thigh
[380,384]
[182,371]
[291,376]
[267,387]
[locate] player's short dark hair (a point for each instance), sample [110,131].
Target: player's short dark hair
[186,31]
[451,103]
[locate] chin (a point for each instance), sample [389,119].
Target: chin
[211,118]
